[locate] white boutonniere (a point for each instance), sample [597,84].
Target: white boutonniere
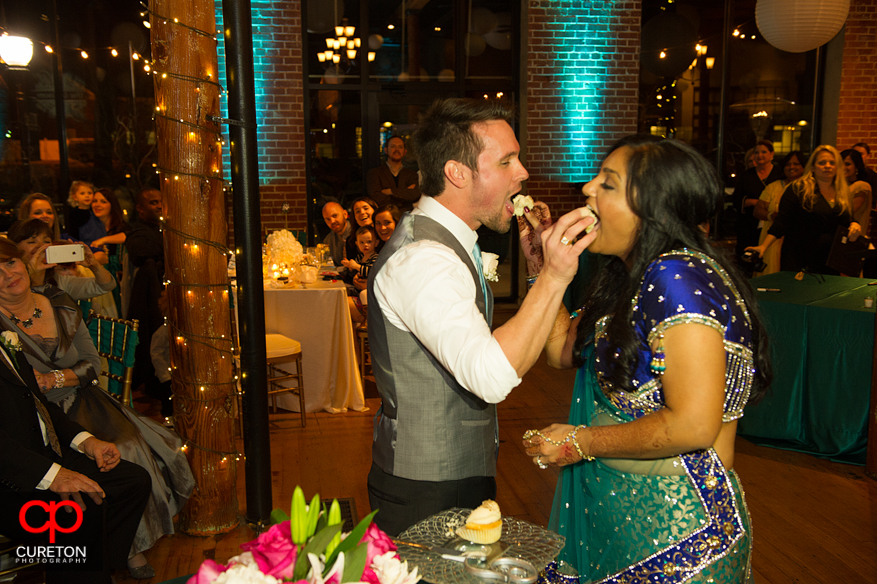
[10,341]
[490,262]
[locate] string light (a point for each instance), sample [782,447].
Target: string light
[176,21]
[195,395]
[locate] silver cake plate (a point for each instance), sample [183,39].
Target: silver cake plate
[521,540]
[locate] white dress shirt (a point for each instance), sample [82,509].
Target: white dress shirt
[425,289]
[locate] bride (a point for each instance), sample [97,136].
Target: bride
[670,348]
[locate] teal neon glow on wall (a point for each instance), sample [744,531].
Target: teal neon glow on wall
[263,54]
[585,48]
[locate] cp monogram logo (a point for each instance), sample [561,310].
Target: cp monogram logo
[51,523]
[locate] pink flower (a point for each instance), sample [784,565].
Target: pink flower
[273,551]
[207,573]
[379,543]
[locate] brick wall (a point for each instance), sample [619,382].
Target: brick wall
[582,74]
[857,116]
[277,57]
[582,79]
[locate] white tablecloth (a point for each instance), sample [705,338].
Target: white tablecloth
[319,319]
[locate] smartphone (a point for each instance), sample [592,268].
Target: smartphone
[64,254]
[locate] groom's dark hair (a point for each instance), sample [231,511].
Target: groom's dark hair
[445,133]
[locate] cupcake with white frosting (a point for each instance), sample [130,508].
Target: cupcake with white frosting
[484,524]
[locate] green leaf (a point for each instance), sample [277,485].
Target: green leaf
[317,545]
[354,564]
[352,539]
[278,516]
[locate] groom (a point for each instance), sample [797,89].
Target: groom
[438,368]
[46,457]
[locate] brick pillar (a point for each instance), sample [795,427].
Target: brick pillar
[277,47]
[582,82]
[857,115]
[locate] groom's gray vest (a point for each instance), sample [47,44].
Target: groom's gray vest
[429,427]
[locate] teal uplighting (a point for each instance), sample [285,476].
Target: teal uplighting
[586,53]
[265,52]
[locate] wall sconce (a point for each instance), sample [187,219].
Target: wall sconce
[710,62]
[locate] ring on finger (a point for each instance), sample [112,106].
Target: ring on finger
[540,464]
[564,240]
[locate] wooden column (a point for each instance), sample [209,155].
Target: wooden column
[185,71]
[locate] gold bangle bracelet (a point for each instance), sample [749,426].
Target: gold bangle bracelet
[575,442]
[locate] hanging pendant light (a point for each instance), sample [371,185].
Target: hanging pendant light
[797,26]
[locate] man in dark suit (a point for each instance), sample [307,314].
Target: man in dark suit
[392,182]
[45,456]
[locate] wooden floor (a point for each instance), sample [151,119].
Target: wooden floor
[814,520]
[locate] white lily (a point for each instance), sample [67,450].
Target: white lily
[390,570]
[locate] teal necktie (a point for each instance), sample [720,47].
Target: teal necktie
[476,253]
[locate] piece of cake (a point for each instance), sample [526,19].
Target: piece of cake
[590,213]
[522,201]
[484,524]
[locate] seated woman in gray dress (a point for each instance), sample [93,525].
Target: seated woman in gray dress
[58,346]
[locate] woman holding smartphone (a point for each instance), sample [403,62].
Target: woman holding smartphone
[33,237]
[56,343]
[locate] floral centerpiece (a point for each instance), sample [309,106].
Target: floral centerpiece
[283,254]
[307,547]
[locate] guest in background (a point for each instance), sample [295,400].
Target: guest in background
[870,175]
[144,240]
[79,211]
[363,214]
[33,237]
[107,229]
[160,353]
[39,206]
[768,205]
[860,189]
[749,187]
[46,456]
[385,221]
[749,159]
[339,230]
[810,212]
[366,242]
[392,183]
[146,255]
[58,346]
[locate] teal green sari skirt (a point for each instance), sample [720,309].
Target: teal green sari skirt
[638,521]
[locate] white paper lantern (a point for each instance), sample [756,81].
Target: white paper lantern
[797,26]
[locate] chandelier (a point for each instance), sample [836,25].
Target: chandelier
[343,46]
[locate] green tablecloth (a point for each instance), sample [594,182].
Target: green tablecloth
[823,341]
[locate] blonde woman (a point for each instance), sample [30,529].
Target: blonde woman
[39,206]
[810,211]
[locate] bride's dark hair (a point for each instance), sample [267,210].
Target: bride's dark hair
[674,192]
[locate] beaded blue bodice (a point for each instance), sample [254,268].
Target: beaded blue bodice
[682,287]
